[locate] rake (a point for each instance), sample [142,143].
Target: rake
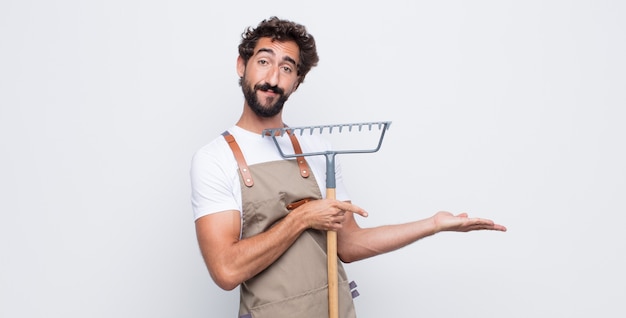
[333,291]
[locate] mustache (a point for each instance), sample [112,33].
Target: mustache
[266,87]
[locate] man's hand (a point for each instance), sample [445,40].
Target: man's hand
[446,221]
[326,214]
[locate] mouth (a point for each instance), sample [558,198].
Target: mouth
[270,90]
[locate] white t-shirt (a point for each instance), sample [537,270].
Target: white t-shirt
[215,185]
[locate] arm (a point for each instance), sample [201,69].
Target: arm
[355,243]
[231,261]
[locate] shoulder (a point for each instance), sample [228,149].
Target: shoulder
[215,150]
[213,159]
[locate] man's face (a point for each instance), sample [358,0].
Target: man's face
[270,76]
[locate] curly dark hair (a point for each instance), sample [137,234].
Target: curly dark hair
[281,30]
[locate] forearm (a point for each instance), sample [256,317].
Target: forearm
[360,243]
[236,261]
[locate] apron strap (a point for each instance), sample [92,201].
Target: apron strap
[241,162]
[304,167]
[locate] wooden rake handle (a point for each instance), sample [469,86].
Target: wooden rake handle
[333,280]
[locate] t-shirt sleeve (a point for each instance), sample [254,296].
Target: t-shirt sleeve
[212,182]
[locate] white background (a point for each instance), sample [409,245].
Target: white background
[509,110]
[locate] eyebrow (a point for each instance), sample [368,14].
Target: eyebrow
[270,51]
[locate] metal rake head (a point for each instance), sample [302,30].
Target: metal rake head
[383,126]
[329,154]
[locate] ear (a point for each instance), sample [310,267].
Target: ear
[241,66]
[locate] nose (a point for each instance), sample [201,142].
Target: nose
[273,76]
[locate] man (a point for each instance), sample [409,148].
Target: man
[260,219]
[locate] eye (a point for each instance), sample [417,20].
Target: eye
[287,69]
[263,62]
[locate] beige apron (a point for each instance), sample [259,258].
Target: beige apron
[296,284]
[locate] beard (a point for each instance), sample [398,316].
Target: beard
[272,107]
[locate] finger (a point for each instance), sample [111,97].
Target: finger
[360,212]
[335,225]
[479,221]
[499,227]
[349,207]
[489,225]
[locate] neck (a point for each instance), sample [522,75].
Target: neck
[251,122]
